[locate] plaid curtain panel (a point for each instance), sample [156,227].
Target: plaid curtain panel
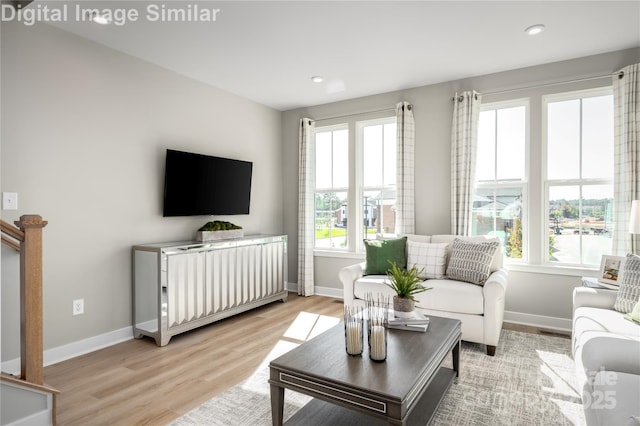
[306,208]
[626,100]
[405,170]
[464,142]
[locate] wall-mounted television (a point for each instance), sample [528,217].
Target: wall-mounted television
[197,184]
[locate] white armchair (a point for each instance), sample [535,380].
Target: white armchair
[479,308]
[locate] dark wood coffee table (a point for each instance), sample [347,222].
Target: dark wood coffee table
[405,389]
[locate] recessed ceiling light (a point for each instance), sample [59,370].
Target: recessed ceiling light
[317,79]
[100,19]
[535,29]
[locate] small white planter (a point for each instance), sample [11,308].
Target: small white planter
[219,235]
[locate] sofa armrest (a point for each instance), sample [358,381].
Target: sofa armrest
[593,297]
[494,291]
[348,276]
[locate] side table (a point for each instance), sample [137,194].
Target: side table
[594,283]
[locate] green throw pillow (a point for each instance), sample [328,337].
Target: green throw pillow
[381,252]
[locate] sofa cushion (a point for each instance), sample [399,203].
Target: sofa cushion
[381,252]
[629,291]
[587,319]
[430,258]
[471,261]
[445,295]
[452,296]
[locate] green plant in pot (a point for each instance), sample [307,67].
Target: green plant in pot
[406,283]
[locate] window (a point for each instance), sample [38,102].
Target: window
[332,187]
[579,176]
[354,199]
[501,177]
[377,140]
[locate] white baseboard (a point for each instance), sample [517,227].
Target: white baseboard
[320,291]
[541,321]
[74,349]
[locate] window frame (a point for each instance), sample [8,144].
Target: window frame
[332,189]
[359,169]
[354,125]
[579,182]
[523,184]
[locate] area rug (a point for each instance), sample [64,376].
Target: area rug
[530,381]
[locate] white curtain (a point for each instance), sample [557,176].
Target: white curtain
[626,183]
[306,207]
[405,157]
[463,159]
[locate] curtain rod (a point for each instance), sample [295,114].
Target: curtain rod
[356,113]
[620,74]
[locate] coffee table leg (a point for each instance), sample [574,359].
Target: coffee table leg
[277,405]
[455,353]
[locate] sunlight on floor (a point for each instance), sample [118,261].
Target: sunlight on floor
[557,383]
[308,325]
[305,327]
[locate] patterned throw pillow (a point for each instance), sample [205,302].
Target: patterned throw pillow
[471,261]
[381,252]
[429,257]
[629,290]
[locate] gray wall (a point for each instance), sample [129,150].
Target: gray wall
[533,291]
[84,133]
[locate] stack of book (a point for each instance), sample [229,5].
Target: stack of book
[418,322]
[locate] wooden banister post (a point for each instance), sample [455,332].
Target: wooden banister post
[31,360]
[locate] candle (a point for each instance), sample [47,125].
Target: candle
[354,337]
[377,343]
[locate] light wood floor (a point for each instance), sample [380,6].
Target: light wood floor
[137,382]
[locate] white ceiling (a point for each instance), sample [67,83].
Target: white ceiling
[267,51]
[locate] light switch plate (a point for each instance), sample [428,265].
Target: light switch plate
[10,201]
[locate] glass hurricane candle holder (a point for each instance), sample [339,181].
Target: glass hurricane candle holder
[353,330]
[378,313]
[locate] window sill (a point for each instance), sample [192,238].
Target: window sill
[339,254]
[573,271]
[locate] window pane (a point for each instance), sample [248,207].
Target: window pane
[390,142]
[378,213]
[597,137]
[498,212]
[485,168]
[597,224]
[511,143]
[323,160]
[580,229]
[372,155]
[331,220]
[563,140]
[340,159]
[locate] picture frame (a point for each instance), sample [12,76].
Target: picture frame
[610,267]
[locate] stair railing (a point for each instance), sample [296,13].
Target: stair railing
[26,237]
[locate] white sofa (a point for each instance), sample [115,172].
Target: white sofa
[606,350]
[479,308]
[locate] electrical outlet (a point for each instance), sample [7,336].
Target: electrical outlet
[78,307]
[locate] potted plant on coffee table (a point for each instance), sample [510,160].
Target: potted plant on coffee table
[406,283]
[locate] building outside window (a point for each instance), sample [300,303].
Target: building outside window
[579,176]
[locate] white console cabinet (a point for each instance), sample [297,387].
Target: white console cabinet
[183,285]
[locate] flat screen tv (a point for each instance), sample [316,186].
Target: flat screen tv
[196,184]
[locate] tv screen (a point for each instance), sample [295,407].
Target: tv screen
[196,184]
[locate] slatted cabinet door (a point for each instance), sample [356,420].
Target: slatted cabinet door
[185,289]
